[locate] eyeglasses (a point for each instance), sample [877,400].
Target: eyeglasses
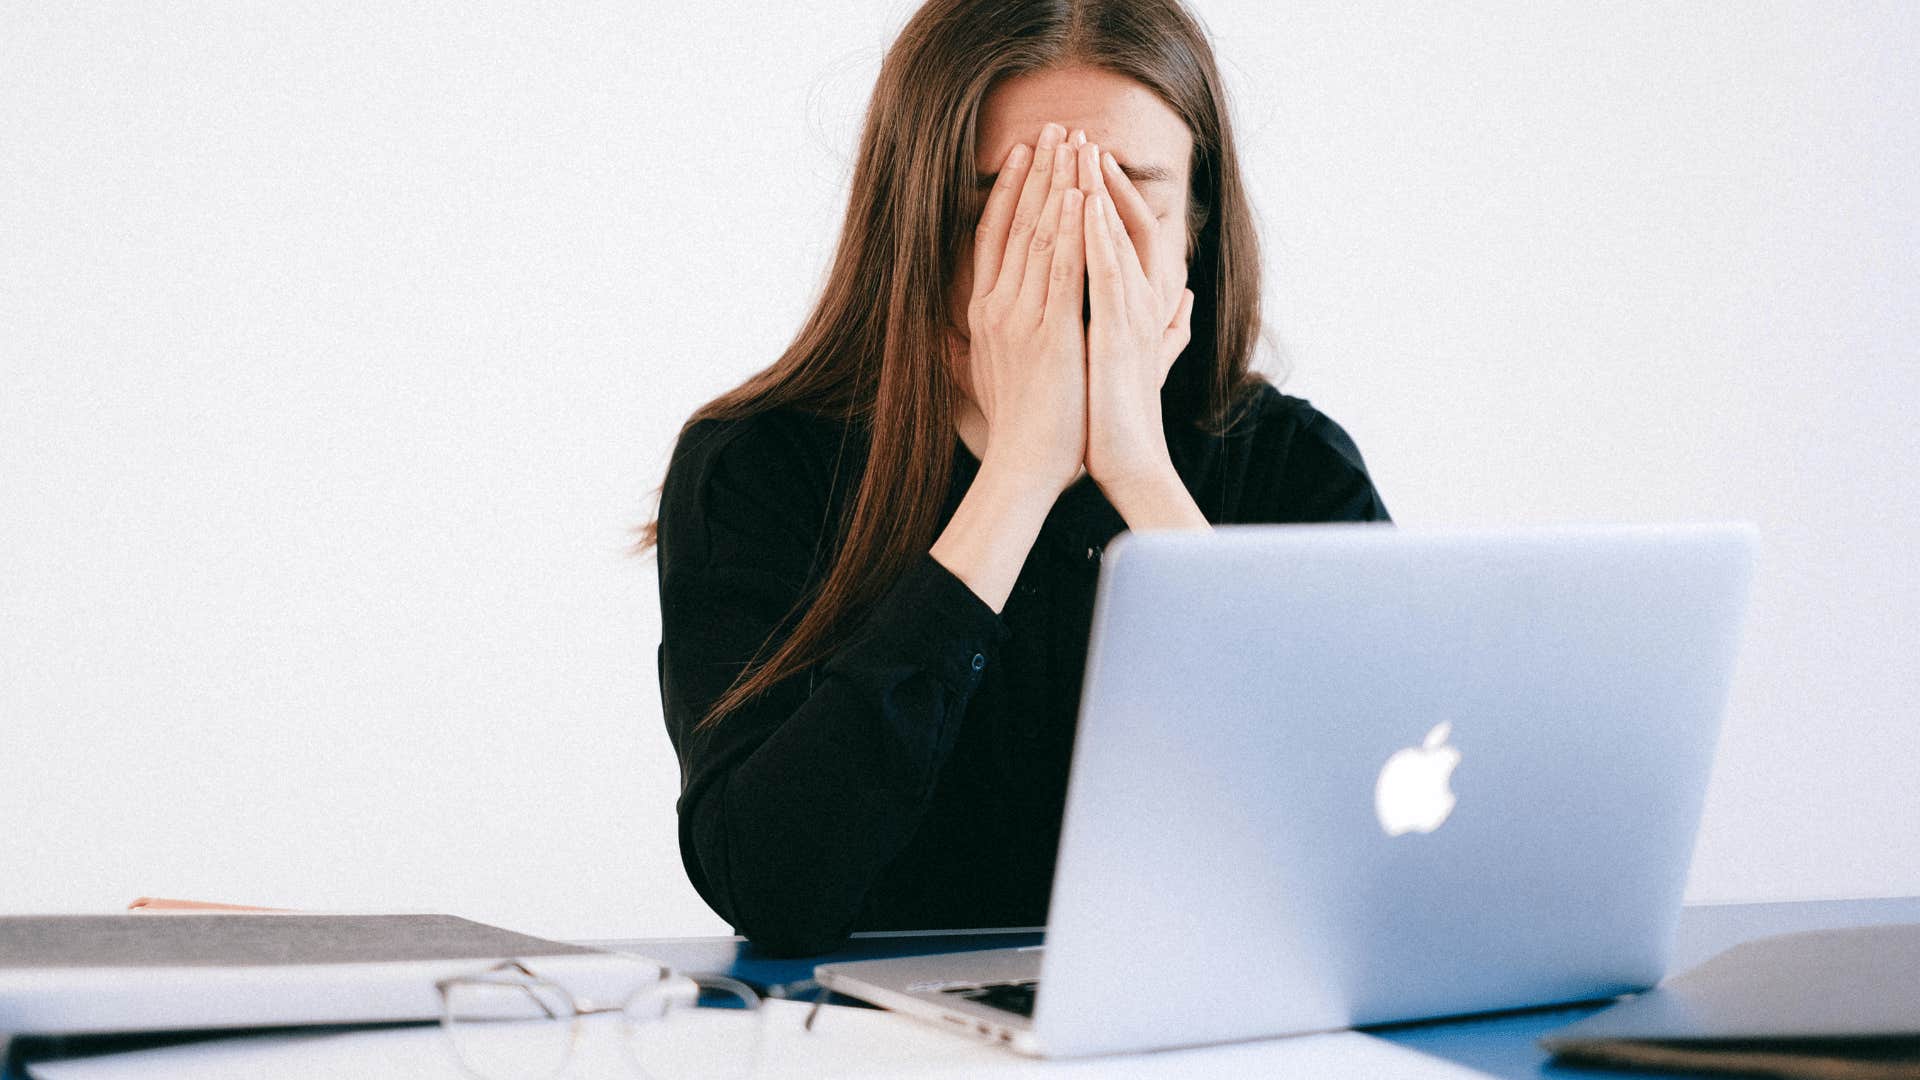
[508,1023]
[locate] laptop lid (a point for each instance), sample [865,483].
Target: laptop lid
[1238,859]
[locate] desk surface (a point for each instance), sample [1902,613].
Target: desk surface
[1501,1045]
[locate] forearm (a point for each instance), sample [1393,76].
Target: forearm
[992,531]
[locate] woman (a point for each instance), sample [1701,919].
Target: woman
[877,557]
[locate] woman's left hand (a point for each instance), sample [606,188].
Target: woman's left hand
[1132,340]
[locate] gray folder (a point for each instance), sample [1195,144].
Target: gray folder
[68,974]
[224,939]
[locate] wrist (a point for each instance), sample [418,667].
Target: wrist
[1153,477]
[1154,499]
[1019,479]
[1015,486]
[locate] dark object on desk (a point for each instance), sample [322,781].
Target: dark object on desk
[20,1054]
[1839,1004]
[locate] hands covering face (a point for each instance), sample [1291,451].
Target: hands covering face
[1064,226]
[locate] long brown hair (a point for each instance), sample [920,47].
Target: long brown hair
[871,351]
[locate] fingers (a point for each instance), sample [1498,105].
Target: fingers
[1174,341]
[1040,251]
[1092,165]
[1067,278]
[1133,285]
[1122,240]
[1028,211]
[1106,291]
[990,236]
[1134,211]
[1140,222]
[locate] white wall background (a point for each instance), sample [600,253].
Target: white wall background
[341,344]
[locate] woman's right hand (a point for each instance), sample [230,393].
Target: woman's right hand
[1027,349]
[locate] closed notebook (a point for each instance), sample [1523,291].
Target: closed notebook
[69,974]
[1840,1004]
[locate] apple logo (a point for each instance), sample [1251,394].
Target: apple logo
[1412,793]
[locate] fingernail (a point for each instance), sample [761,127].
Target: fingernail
[1018,157]
[1051,135]
[1080,136]
[1108,161]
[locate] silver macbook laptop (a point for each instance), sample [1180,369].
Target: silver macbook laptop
[1336,775]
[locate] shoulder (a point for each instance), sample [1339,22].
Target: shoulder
[771,437]
[765,478]
[1272,423]
[1307,463]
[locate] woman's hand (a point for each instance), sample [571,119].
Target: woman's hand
[1027,347]
[1136,330]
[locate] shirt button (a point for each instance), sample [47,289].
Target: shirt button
[979,661]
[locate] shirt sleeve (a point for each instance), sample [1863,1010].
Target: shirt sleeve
[792,805]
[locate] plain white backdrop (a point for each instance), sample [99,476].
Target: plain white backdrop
[342,344]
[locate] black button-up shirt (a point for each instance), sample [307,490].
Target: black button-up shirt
[916,778]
